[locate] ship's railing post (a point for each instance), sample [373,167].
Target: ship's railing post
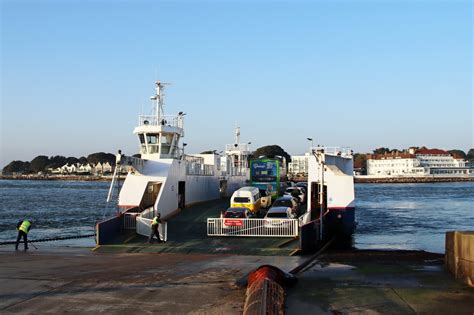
[130,221]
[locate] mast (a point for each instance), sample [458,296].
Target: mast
[237,135]
[158,100]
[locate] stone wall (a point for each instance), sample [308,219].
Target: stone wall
[459,259]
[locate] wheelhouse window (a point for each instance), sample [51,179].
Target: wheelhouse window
[152,139]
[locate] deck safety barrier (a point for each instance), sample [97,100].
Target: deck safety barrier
[130,221]
[252,227]
[144,228]
[164,120]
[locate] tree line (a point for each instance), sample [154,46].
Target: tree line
[42,163]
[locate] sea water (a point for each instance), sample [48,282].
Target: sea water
[412,216]
[389,216]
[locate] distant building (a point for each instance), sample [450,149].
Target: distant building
[438,158]
[393,164]
[107,168]
[69,169]
[103,168]
[298,167]
[419,162]
[88,168]
[54,170]
[85,169]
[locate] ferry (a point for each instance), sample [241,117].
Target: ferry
[164,179]
[330,191]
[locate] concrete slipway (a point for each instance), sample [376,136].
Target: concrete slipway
[195,274]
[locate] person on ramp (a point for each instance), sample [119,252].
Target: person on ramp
[23,228]
[154,229]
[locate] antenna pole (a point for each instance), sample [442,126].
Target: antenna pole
[237,135]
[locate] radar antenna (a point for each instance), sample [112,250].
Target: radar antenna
[159,100]
[237,135]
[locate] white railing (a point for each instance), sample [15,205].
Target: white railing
[238,171]
[242,147]
[199,169]
[144,228]
[343,151]
[131,161]
[168,120]
[252,227]
[130,221]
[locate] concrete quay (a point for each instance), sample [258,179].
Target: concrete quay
[81,281]
[68,280]
[379,282]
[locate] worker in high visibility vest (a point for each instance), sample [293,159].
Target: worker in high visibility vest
[154,229]
[23,228]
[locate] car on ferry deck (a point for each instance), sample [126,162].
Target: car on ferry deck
[303,185]
[296,191]
[276,218]
[290,202]
[238,213]
[247,197]
[233,218]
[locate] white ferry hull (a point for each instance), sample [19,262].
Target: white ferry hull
[170,177]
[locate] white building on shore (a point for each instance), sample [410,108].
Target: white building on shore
[298,167]
[435,158]
[85,169]
[421,162]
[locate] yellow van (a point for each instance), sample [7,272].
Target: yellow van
[247,197]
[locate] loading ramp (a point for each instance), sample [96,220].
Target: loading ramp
[187,232]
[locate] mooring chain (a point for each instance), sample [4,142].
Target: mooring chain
[51,239]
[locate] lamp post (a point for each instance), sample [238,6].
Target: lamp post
[312,144]
[184,145]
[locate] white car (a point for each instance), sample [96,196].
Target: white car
[275,217]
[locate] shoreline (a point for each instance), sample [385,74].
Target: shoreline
[412,180]
[357,180]
[78,178]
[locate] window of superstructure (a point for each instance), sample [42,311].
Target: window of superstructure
[166,138]
[152,139]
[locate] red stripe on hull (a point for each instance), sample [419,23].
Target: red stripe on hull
[126,206]
[341,208]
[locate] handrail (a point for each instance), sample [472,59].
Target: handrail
[164,120]
[341,151]
[253,227]
[244,147]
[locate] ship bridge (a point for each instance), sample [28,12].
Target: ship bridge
[159,134]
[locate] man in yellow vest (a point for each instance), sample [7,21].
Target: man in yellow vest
[154,229]
[23,228]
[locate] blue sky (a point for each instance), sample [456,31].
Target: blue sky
[75,75]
